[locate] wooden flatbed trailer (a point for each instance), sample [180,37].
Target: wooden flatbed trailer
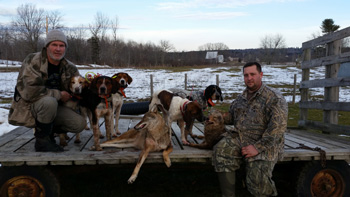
[17,151]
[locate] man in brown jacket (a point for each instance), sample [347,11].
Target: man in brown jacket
[41,87]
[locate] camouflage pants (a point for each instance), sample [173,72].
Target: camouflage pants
[227,158]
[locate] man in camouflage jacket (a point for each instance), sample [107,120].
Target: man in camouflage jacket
[259,116]
[41,87]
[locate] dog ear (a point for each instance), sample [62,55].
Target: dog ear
[194,111]
[165,98]
[154,109]
[209,91]
[115,86]
[218,89]
[189,98]
[93,85]
[129,78]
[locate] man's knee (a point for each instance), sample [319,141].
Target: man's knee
[226,156]
[77,125]
[45,109]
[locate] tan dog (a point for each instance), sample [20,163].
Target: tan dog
[151,134]
[76,87]
[214,128]
[123,79]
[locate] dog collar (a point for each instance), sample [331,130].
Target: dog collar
[75,97]
[211,102]
[183,107]
[106,98]
[121,92]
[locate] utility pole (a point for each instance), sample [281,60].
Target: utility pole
[47,25]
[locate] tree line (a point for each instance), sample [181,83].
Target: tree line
[98,43]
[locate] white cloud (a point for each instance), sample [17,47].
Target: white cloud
[212,15]
[170,5]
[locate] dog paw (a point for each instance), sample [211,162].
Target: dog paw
[194,136]
[132,179]
[94,148]
[66,137]
[167,163]
[63,143]
[185,142]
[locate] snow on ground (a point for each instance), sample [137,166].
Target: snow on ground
[230,82]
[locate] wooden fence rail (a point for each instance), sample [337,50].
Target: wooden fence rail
[332,43]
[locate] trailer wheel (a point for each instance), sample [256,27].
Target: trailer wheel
[333,180]
[28,181]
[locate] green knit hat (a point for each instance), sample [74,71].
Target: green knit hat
[56,35]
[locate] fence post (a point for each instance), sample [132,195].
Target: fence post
[151,84]
[295,87]
[331,94]
[217,80]
[304,92]
[185,81]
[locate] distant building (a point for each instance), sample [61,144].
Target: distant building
[214,57]
[211,55]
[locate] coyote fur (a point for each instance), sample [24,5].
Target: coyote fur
[214,127]
[151,134]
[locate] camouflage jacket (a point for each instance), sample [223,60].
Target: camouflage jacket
[261,121]
[31,86]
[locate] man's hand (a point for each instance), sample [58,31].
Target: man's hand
[249,151]
[65,96]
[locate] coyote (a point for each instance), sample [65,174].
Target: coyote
[151,134]
[213,130]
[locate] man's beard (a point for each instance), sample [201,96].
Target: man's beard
[54,58]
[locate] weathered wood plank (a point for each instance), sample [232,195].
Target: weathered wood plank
[335,149]
[341,142]
[332,128]
[329,82]
[323,61]
[6,138]
[327,38]
[18,142]
[319,143]
[338,106]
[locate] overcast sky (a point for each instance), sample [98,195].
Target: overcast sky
[188,24]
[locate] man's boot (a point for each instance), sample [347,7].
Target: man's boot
[43,143]
[227,182]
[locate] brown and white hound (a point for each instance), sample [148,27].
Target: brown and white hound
[76,87]
[178,109]
[99,100]
[123,80]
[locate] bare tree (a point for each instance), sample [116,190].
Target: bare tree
[99,28]
[270,44]
[30,22]
[213,47]
[315,35]
[115,27]
[54,18]
[76,37]
[165,46]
